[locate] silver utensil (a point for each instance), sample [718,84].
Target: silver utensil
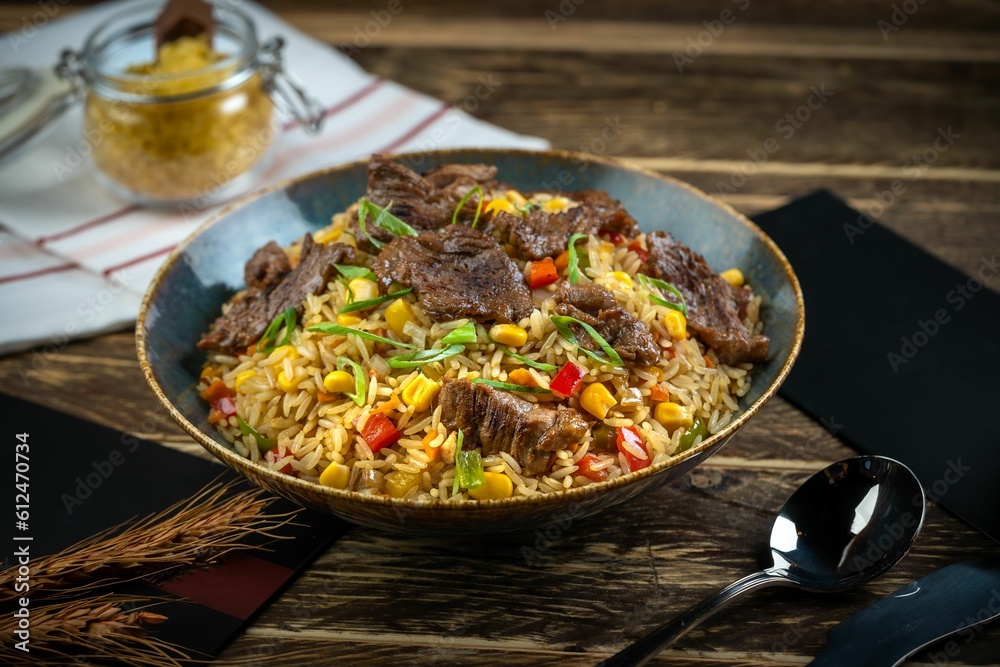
[845,526]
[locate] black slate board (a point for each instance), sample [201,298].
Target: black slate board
[84,478]
[902,352]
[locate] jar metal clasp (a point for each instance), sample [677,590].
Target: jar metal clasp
[285,89]
[31,100]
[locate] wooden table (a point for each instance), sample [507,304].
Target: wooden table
[381,599]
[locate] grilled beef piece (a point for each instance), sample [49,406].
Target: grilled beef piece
[271,292]
[610,212]
[595,305]
[424,202]
[502,422]
[267,266]
[538,234]
[714,306]
[456,272]
[460,178]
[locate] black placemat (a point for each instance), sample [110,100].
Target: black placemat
[84,478]
[902,352]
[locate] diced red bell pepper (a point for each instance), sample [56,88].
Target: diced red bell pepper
[637,248]
[275,454]
[631,435]
[226,405]
[379,432]
[612,237]
[220,398]
[542,273]
[568,380]
[583,467]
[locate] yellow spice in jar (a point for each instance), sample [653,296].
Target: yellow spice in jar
[190,142]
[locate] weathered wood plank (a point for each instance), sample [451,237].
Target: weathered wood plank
[596,584]
[722,107]
[964,14]
[592,586]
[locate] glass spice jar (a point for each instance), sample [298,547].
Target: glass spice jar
[192,124]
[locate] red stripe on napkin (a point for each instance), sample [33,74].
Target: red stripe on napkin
[340,106]
[386,115]
[237,586]
[97,222]
[35,274]
[416,129]
[137,260]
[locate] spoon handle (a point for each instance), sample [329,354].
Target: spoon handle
[642,651]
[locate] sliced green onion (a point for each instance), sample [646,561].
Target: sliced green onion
[469,469]
[527,207]
[572,263]
[362,215]
[649,283]
[458,450]
[422,357]
[333,328]
[352,272]
[382,218]
[461,202]
[368,303]
[562,323]
[359,379]
[510,386]
[288,319]
[264,444]
[463,334]
[524,360]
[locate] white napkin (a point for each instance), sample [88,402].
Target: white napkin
[74,261]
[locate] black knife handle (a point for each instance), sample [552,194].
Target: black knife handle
[942,603]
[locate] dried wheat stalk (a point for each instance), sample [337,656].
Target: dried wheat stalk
[99,628]
[195,531]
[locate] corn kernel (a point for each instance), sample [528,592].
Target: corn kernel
[734,277]
[557,205]
[673,416]
[399,483]
[336,475]
[328,236]
[397,315]
[623,278]
[676,324]
[515,197]
[496,487]
[522,376]
[509,334]
[597,400]
[339,382]
[500,204]
[363,289]
[243,376]
[420,393]
[287,384]
[348,320]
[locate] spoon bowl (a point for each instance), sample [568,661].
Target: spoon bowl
[845,526]
[848,523]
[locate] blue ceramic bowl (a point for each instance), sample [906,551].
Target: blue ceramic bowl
[203,272]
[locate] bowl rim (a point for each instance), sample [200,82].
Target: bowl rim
[279,480]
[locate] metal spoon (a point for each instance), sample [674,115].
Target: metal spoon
[845,526]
